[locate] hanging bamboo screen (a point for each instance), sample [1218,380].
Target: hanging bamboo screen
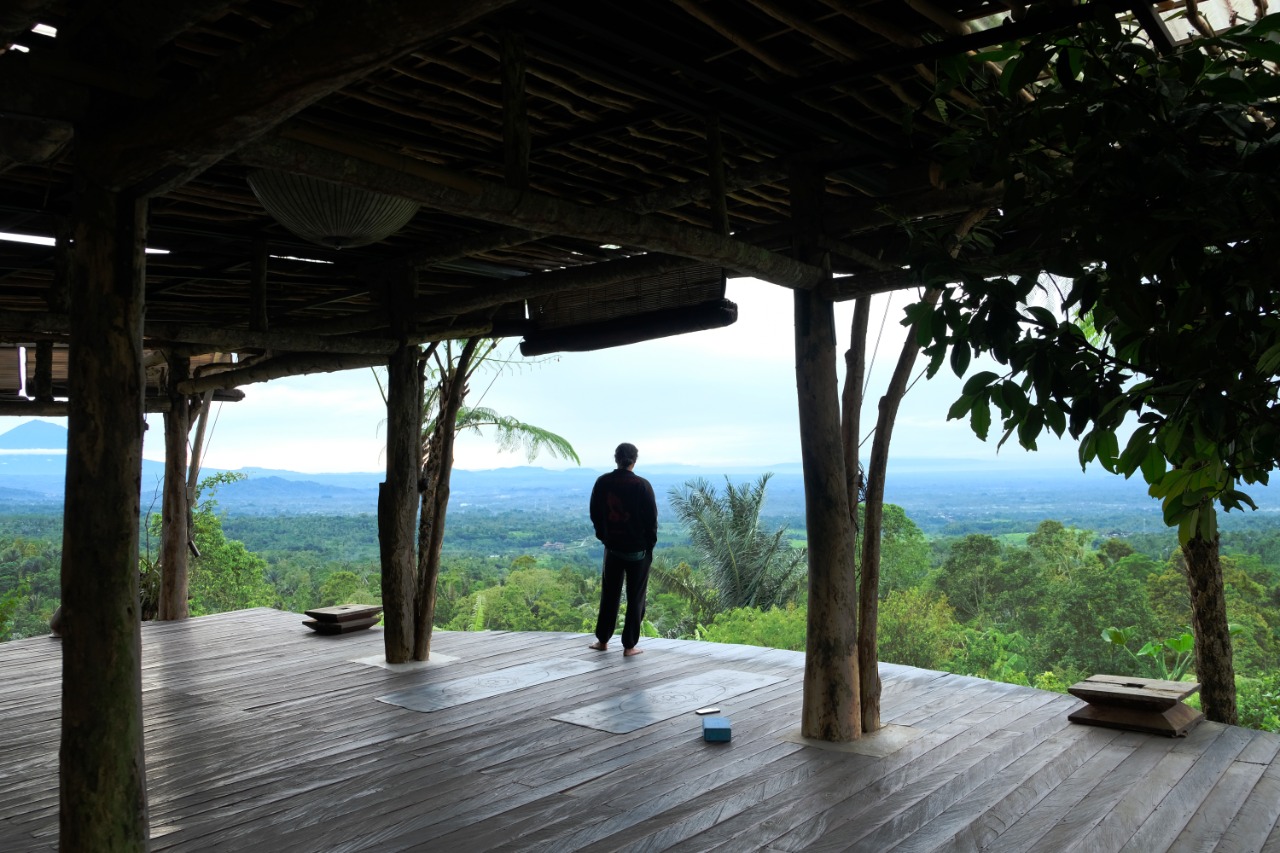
[681,288]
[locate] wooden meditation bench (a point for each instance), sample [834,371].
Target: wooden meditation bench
[343,619]
[1136,704]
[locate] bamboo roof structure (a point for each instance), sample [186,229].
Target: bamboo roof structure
[587,174]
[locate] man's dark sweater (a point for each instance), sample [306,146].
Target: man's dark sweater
[624,512]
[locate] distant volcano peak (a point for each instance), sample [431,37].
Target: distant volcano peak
[35,435]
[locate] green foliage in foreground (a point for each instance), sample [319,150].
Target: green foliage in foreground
[1146,186]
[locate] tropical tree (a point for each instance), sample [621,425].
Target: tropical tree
[866,484]
[447,369]
[30,585]
[918,628]
[345,587]
[685,602]
[746,565]
[226,575]
[904,552]
[1139,209]
[972,577]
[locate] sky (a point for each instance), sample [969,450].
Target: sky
[720,398]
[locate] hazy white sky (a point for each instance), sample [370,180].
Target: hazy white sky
[718,398]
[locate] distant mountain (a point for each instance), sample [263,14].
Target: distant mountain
[35,435]
[938,494]
[33,459]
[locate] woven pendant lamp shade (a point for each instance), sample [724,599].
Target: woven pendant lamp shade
[333,215]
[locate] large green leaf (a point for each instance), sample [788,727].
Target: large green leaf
[980,421]
[979,381]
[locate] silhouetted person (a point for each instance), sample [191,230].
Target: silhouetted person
[625,515]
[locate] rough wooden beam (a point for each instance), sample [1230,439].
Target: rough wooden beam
[33,408]
[294,364]
[393,174]
[549,283]
[868,215]
[324,47]
[103,793]
[858,256]
[298,364]
[25,326]
[60,408]
[867,284]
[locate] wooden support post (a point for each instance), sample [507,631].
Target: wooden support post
[831,708]
[398,494]
[175,508]
[103,801]
[59,300]
[43,390]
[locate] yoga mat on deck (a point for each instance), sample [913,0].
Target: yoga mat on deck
[446,694]
[653,704]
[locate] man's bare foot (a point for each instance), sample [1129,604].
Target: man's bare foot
[598,646]
[626,653]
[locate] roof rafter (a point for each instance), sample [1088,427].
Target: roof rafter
[321,50]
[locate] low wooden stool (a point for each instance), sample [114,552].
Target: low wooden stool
[1136,704]
[343,619]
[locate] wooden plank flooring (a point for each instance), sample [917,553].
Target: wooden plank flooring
[265,736]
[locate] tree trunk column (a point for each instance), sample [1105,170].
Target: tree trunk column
[175,508]
[103,804]
[831,706]
[1215,669]
[436,474]
[397,503]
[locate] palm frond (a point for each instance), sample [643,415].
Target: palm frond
[515,435]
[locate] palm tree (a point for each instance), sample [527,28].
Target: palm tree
[748,567]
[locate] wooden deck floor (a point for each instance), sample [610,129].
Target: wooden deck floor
[262,736]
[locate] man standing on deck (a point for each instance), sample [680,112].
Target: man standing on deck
[625,515]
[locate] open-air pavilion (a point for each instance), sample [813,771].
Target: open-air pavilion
[216,193]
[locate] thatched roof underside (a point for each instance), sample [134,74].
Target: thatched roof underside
[587,173]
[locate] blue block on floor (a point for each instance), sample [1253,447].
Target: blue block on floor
[716,729]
